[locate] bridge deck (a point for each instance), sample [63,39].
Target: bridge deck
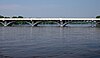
[49,19]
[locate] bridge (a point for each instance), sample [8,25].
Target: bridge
[59,21]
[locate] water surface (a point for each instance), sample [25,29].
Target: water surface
[49,42]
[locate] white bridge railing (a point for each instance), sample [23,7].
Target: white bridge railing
[49,19]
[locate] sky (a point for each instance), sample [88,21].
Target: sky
[50,8]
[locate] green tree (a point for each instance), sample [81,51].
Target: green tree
[1,16]
[97,16]
[6,17]
[20,16]
[14,17]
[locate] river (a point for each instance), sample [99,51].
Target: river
[49,42]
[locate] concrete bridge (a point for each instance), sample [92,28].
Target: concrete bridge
[35,21]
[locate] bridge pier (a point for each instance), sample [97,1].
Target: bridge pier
[33,23]
[63,23]
[92,23]
[6,23]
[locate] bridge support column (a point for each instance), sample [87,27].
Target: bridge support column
[30,23]
[92,23]
[33,23]
[6,23]
[63,23]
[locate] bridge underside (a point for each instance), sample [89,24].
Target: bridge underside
[60,23]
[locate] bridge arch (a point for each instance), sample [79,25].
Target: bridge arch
[6,23]
[58,22]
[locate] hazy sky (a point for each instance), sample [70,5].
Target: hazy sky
[50,8]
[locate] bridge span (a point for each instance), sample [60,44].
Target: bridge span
[35,21]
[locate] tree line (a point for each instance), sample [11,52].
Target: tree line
[23,17]
[11,17]
[97,16]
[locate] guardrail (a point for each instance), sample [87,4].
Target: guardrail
[49,19]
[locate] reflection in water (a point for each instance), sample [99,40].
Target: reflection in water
[49,42]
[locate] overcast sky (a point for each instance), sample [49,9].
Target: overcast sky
[50,8]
